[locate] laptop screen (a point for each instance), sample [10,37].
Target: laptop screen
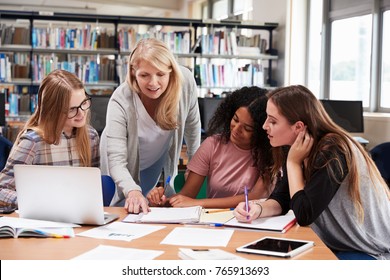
[60,193]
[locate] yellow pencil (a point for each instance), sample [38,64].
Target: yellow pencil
[219,210]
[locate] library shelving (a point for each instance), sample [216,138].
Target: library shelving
[223,55]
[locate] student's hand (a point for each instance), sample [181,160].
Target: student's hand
[157,197]
[301,147]
[136,203]
[182,201]
[246,217]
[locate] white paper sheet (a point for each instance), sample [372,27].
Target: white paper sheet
[120,231]
[104,252]
[187,236]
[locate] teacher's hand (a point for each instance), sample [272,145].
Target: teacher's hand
[136,203]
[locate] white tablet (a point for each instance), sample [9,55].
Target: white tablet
[278,247]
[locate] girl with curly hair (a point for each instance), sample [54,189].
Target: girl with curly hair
[236,154]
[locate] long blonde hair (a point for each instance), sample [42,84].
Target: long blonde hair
[51,113]
[297,103]
[157,53]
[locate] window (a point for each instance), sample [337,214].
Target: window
[355,58]
[314,59]
[351,59]
[385,78]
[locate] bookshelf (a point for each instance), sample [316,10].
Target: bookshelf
[96,48]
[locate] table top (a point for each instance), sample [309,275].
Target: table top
[68,248]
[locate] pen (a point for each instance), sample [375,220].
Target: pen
[246,201]
[216,225]
[289,225]
[219,210]
[167,182]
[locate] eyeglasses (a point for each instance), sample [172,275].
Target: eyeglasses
[85,105]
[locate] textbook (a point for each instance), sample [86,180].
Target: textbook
[19,227]
[167,215]
[276,223]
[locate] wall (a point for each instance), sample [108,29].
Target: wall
[376,128]
[274,11]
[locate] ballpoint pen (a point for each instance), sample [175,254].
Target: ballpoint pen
[246,201]
[167,182]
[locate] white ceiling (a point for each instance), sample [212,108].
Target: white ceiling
[150,8]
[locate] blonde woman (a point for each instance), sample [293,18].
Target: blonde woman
[148,117]
[328,179]
[57,133]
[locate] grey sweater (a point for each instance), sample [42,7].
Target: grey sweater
[119,146]
[338,225]
[326,206]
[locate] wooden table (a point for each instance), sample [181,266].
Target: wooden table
[62,249]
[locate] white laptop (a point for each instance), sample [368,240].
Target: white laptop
[61,194]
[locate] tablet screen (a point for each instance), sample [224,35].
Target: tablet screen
[276,245]
[280,247]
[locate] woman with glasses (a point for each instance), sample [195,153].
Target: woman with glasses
[148,117]
[57,133]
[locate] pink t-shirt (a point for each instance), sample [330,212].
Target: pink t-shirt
[228,168]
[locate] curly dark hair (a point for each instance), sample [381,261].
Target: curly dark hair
[255,99]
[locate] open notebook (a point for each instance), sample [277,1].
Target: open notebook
[276,223]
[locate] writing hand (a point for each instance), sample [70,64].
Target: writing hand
[246,217]
[136,202]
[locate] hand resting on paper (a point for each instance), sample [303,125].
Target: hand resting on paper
[136,203]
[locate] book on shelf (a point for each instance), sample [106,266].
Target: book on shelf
[12,227]
[167,215]
[280,223]
[207,254]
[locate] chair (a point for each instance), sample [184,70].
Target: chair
[109,187]
[381,156]
[5,149]
[179,183]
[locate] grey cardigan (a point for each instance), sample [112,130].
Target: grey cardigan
[119,146]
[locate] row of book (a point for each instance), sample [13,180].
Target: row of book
[229,75]
[87,38]
[220,42]
[177,41]
[14,35]
[19,100]
[228,43]
[89,69]
[14,66]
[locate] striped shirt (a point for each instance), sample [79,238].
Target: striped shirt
[32,149]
